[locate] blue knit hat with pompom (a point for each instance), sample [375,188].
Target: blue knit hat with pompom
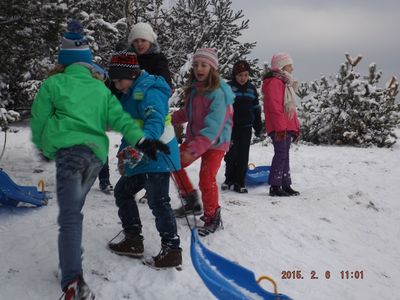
[74,45]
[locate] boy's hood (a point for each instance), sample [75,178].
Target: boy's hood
[146,81]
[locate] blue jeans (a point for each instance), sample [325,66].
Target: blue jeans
[77,169]
[157,188]
[280,169]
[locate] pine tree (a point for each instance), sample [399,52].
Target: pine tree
[351,109]
[30,33]
[191,25]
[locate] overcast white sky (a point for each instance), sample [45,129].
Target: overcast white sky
[317,33]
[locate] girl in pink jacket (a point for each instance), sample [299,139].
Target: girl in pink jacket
[281,121]
[208,112]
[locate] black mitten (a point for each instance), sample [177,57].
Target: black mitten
[150,147]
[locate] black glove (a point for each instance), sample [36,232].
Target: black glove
[150,147]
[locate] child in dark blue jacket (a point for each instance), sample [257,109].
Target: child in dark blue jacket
[145,98]
[246,115]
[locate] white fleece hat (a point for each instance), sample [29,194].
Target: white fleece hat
[142,31]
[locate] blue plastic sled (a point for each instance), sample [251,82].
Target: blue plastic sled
[11,193]
[257,175]
[224,278]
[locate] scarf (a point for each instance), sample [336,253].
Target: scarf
[291,86]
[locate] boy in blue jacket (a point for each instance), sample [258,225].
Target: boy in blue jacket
[246,115]
[145,98]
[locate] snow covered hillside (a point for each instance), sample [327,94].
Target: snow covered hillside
[346,219]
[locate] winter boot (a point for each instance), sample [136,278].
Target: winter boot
[240,189]
[131,245]
[276,191]
[211,224]
[290,191]
[78,290]
[106,187]
[226,185]
[167,258]
[143,199]
[191,206]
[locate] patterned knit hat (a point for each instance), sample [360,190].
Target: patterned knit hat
[123,65]
[240,66]
[74,45]
[207,54]
[142,31]
[280,60]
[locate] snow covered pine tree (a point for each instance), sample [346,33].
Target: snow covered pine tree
[351,109]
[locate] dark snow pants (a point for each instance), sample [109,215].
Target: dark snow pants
[104,175]
[237,158]
[157,189]
[280,170]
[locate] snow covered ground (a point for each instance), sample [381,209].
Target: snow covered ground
[346,219]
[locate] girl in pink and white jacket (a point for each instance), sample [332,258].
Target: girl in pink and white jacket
[281,121]
[208,112]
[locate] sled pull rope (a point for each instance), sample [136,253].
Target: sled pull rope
[270,280]
[41,184]
[168,161]
[5,142]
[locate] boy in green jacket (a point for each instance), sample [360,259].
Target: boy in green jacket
[70,116]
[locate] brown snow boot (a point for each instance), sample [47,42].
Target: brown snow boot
[131,245]
[167,258]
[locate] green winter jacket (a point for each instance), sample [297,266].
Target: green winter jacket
[73,108]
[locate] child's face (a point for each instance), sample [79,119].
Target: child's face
[201,69]
[122,85]
[141,46]
[288,68]
[242,77]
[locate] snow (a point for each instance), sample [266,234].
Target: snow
[346,218]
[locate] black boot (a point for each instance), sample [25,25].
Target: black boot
[290,191]
[143,199]
[191,206]
[276,191]
[106,187]
[226,185]
[241,189]
[211,224]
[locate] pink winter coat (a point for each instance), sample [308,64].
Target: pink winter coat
[276,119]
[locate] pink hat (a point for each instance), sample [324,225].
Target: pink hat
[280,60]
[207,54]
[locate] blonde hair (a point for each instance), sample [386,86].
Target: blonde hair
[60,69]
[212,82]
